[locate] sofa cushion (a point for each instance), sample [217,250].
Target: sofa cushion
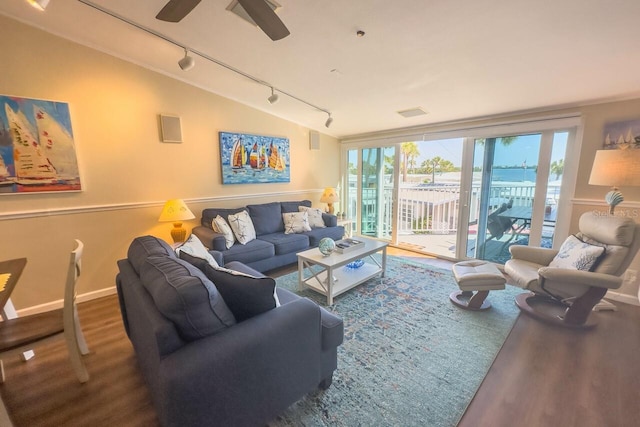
[242,227]
[185,296]
[315,216]
[295,222]
[317,234]
[194,247]
[144,246]
[293,206]
[266,218]
[245,295]
[287,243]
[209,214]
[253,251]
[220,225]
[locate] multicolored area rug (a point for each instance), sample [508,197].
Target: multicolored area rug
[409,357]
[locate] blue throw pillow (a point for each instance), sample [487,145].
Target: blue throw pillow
[245,295]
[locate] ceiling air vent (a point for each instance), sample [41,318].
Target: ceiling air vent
[412,112]
[237,8]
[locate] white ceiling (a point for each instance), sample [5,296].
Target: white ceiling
[456,59]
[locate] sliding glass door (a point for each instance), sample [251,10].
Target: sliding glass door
[461,198]
[369,198]
[514,193]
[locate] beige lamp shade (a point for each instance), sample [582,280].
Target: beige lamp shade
[176,211]
[616,168]
[329,196]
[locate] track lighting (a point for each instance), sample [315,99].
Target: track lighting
[39,4]
[273,98]
[329,120]
[187,62]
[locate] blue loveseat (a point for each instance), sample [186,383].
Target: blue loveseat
[272,248]
[205,365]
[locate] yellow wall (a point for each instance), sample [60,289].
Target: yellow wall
[127,173]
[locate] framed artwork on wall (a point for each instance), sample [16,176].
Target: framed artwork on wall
[37,150]
[622,135]
[252,159]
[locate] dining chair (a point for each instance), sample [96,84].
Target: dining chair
[23,333]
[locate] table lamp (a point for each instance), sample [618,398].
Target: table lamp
[176,211]
[616,168]
[329,196]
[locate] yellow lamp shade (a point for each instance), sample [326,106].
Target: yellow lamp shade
[329,196]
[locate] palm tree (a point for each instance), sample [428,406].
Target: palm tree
[409,152]
[557,168]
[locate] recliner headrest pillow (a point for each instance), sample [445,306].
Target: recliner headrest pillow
[608,229]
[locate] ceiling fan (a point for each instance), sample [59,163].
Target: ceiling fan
[261,13]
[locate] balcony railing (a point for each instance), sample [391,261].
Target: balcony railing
[434,209]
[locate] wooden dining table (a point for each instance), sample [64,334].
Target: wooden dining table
[10,272]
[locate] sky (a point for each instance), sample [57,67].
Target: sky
[524,148]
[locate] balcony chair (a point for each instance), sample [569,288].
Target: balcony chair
[566,284]
[23,333]
[497,226]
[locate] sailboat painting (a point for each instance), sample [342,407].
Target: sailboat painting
[37,150]
[622,135]
[252,159]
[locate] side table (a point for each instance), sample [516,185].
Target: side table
[346,223]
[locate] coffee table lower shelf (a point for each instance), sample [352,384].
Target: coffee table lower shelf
[343,280]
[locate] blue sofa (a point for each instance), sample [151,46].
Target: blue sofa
[272,248]
[203,366]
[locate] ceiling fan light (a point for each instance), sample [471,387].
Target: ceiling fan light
[273,98]
[39,4]
[187,62]
[329,121]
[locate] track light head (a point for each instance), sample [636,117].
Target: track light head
[39,4]
[187,62]
[273,98]
[329,121]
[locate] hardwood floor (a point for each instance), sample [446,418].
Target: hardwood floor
[543,376]
[549,376]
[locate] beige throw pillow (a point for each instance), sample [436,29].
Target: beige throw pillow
[242,227]
[221,226]
[315,216]
[295,222]
[194,247]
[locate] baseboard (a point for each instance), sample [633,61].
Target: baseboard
[54,305]
[625,298]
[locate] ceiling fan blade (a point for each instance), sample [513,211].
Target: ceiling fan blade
[265,18]
[175,10]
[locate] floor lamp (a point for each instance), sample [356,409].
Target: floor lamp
[615,168]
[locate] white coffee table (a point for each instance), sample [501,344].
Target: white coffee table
[333,278]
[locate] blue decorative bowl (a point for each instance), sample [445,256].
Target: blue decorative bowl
[326,246]
[355,264]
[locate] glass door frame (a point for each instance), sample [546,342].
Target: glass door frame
[344,155]
[571,123]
